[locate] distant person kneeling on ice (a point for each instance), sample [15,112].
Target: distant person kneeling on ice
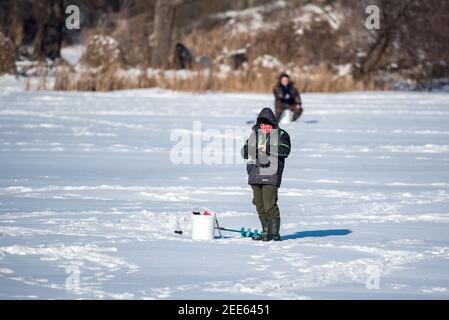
[266,151]
[287,97]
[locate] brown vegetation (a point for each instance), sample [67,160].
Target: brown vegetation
[312,39]
[7,56]
[252,80]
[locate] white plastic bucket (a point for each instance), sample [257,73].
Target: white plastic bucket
[287,117]
[203,225]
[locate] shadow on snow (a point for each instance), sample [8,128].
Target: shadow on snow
[317,233]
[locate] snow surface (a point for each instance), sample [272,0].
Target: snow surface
[73,54]
[251,19]
[87,184]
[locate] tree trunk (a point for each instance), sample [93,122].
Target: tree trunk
[47,43]
[163,29]
[393,17]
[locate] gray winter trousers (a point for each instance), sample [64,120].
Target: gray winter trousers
[265,199]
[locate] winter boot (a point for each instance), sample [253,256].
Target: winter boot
[269,234]
[262,236]
[274,225]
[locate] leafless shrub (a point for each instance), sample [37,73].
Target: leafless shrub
[7,56]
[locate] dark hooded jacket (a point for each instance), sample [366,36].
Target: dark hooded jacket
[266,167]
[286,94]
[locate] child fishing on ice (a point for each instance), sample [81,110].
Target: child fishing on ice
[266,151]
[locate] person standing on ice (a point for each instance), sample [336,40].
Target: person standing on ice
[287,97]
[266,150]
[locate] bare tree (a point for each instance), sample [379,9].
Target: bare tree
[392,16]
[414,36]
[47,43]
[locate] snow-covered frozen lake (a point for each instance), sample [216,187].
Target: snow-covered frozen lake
[88,192]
